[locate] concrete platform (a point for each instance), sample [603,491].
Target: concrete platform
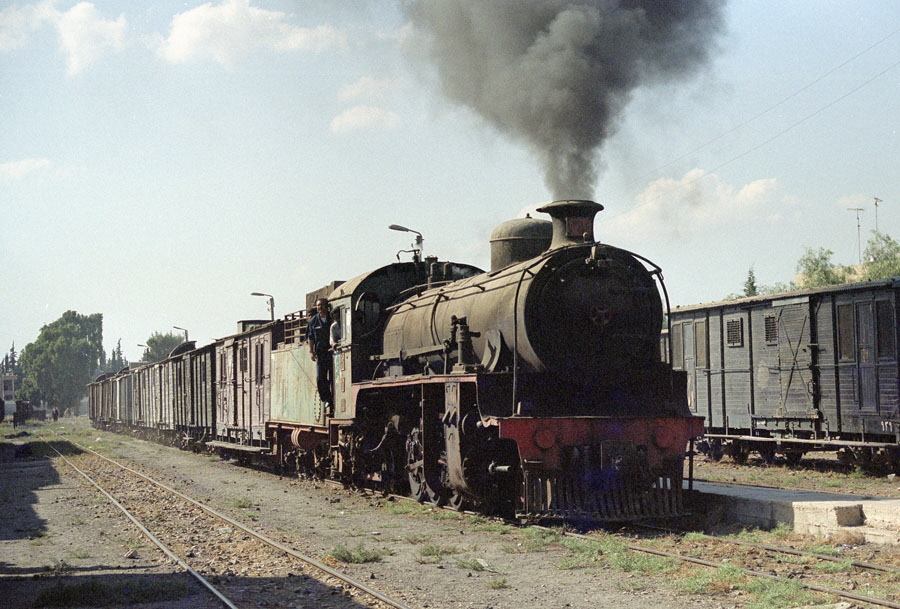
[874,519]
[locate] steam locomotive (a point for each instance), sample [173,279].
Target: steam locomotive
[533,389]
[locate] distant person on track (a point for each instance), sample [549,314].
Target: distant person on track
[318,335]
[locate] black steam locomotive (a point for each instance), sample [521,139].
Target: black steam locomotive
[534,388]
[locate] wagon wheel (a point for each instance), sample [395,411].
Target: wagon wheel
[767,452]
[419,487]
[739,452]
[793,457]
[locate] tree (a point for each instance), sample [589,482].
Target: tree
[882,257]
[815,269]
[750,287]
[116,360]
[57,366]
[11,362]
[160,345]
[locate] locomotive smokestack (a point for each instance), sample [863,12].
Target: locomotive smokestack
[573,221]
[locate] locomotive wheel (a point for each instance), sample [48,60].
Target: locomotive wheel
[458,502]
[455,500]
[415,467]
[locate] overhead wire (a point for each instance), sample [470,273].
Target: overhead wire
[758,115]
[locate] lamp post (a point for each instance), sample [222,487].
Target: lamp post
[183,330]
[417,252]
[146,351]
[271,303]
[858,238]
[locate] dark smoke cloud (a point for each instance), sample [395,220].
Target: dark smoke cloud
[556,73]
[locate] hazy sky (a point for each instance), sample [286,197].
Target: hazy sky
[160,161]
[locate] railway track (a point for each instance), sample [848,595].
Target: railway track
[242,567]
[764,558]
[761,560]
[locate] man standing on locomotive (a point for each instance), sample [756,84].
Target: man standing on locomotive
[318,337]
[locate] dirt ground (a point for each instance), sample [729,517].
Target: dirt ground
[57,530]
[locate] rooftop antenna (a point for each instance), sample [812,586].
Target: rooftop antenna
[858,242]
[877,201]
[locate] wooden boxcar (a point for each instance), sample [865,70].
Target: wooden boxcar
[814,369]
[188,372]
[242,368]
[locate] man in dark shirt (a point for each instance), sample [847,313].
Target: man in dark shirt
[318,335]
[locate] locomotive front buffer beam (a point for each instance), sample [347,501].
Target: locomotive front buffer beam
[601,468]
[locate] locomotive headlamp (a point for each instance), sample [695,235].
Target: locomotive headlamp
[417,252]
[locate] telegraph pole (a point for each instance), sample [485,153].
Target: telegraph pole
[858,241]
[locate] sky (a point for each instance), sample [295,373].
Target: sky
[160,161]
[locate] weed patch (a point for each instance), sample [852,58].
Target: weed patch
[358,555]
[710,582]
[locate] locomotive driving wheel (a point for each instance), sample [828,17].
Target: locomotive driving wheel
[419,486]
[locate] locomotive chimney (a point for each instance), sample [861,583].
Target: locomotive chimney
[573,221]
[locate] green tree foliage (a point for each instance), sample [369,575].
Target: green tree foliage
[750,287]
[160,345]
[116,360]
[58,365]
[816,269]
[10,363]
[882,257]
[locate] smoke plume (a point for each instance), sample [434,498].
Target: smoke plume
[556,73]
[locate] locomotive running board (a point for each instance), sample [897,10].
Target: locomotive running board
[256,450]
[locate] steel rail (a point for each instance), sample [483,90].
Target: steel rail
[262,537]
[709,563]
[147,533]
[773,548]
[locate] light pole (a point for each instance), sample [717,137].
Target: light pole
[419,247]
[271,303]
[858,238]
[183,330]
[146,351]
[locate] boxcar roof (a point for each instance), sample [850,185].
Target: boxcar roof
[890,282]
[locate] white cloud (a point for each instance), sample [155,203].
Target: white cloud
[696,203]
[85,35]
[227,31]
[17,23]
[361,118]
[366,87]
[18,170]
